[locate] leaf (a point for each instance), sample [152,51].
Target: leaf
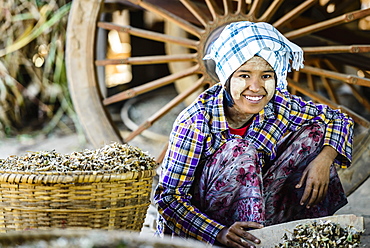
[36,31]
[349,237]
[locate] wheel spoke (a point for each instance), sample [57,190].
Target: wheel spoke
[242,7]
[317,97]
[355,92]
[256,5]
[310,82]
[213,9]
[162,155]
[267,15]
[227,7]
[350,79]
[337,49]
[164,110]
[147,60]
[169,16]
[148,34]
[294,13]
[359,97]
[296,75]
[349,17]
[328,86]
[149,86]
[195,11]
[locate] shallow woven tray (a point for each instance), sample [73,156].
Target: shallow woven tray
[273,235]
[79,199]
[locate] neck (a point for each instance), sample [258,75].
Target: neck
[235,119]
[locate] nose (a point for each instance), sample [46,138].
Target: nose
[255,84]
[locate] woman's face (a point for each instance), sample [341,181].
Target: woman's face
[252,86]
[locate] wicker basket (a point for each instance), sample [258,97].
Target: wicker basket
[79,200]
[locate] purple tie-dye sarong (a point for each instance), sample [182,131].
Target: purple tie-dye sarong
[232,186]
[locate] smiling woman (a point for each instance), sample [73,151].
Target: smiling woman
[252,86]
[216,182]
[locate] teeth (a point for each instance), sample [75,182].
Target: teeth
[254,98]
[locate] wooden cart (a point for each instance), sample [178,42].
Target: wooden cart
[333,34]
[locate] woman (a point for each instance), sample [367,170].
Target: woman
[246,153]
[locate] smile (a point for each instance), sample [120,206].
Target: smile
[253,98]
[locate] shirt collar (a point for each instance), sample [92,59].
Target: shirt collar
[279,104]
[219,123]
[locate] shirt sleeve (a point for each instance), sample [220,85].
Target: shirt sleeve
[172,193]
[339,127]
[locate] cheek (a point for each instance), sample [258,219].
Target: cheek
[237,87]
[270,87]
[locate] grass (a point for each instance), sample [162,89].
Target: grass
[33,85]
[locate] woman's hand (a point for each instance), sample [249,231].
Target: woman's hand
[237,236]
[316,176]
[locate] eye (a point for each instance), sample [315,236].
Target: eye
[244,75]
[267,76]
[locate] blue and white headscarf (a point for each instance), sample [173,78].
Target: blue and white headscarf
[240,41]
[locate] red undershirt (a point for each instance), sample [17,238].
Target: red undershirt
[240,131]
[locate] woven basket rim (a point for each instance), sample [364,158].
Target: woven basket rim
[8,176]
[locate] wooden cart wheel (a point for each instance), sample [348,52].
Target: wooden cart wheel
[331,32]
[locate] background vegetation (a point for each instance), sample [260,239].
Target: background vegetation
[33,86]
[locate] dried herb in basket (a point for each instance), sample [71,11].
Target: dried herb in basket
[118,158]
[323,234]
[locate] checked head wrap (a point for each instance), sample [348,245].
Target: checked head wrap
[240,41]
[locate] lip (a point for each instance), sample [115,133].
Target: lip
[254,99]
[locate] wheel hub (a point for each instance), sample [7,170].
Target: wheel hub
[210,34]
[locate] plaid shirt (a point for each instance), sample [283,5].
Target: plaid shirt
[202,128]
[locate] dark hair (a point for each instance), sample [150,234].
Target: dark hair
[227,95]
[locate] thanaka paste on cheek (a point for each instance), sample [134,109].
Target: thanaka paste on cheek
[270,87]
[237,87]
